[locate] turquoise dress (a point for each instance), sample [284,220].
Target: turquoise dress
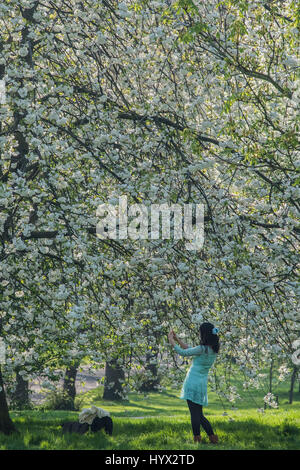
[194,387]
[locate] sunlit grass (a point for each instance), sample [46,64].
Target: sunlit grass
[166,425]
[273,430]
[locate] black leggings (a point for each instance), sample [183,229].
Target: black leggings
[197,419]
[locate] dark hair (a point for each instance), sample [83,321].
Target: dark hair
[208,338]
[99,423]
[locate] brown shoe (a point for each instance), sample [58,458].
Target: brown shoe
[213,438]
[197,438]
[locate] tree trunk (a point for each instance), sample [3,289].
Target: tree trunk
[6,424]
[114,376]
[20,397]
[293,379]
[150,384]
[271,376]
[69,387]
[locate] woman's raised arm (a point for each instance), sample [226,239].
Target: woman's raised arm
[189,351]
[181,343]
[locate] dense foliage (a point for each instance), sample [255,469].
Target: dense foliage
[161,101]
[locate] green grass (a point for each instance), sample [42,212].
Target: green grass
[166,424]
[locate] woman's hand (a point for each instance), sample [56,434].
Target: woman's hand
[171,337]
[174,335]
[175,338]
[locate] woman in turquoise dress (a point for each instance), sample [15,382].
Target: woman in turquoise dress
[194,388]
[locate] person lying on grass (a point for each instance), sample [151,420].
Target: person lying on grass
[194,388]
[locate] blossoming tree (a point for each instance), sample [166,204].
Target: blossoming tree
[181,102]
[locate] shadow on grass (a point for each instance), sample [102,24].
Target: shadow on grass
[244,429]
[156,434]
